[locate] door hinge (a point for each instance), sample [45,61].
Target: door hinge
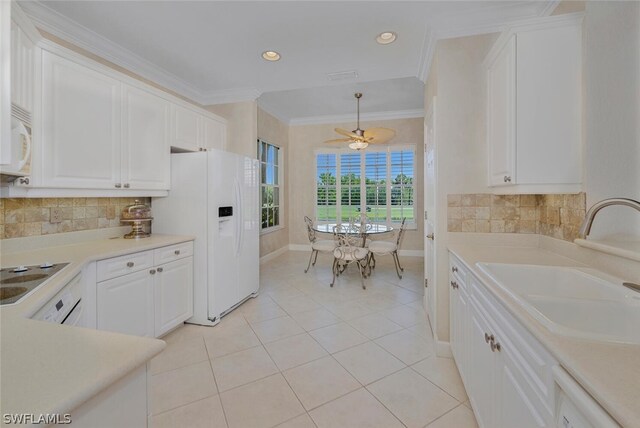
[425,214]
[426,283]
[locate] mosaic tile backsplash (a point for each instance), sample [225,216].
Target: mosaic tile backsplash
[32,216]
[558,216]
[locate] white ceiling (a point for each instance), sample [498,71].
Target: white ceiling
[210,50]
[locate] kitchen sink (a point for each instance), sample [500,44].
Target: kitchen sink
[578,302]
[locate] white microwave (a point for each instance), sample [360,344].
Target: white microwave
[18,152]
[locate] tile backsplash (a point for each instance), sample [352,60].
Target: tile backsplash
[558,216]
[32,216]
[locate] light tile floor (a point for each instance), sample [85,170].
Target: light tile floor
[303,354]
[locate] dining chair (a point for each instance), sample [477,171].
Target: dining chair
[349,250]
[384,248]
[317,245]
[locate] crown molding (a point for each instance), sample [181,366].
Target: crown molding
[66,29]
[364,117]
[227,96]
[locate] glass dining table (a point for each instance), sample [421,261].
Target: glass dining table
[370,229]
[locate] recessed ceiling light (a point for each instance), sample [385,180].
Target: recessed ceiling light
[386,37]
[271,55]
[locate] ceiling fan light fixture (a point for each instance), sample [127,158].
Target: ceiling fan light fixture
[358,145]
[386,37]
[271,55]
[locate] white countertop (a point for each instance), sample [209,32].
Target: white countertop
[609,372]
[53,368]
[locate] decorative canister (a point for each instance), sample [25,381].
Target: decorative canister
[137,214]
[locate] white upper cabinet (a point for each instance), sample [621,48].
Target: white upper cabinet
[534,108]
[146,121]
[185,129]
[195,132]
[214,133]
[81,127]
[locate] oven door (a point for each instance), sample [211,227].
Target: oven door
[75,316]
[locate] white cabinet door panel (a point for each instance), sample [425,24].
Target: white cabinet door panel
[125,304]
[185,128]
[214,134]
[173,294]
[501,126]
[81,126]
[482,374]
[146,158]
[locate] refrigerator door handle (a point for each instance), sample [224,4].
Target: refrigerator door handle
[239,216]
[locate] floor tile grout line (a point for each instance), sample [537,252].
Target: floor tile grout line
[444,414]
[432,382]
[213,373]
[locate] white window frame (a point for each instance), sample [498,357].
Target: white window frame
[280,186]
[410,224]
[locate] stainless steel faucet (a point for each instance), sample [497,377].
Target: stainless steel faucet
[591,214]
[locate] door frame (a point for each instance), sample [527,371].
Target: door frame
[430,295]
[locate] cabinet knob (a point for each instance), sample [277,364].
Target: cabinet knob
[160,269]
[176,252]
[152,271]
[130,264]
[507,179]
[454,269]
[430,236]
[23,180]
[454,284]
[118,185]
[126,185]
[488,338]
[495,347]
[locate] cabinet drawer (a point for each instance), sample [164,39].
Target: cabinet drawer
[172,252]
[457,270]
[118,266]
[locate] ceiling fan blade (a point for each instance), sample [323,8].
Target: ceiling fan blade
[338,141]
[379,135]
[347,133]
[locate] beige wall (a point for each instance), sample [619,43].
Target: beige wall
[305,139]
[458,78]
[242,126]
[612,112]
[273,131]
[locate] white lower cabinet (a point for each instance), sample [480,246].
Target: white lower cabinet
[173,294]
[147,300]
[506,372]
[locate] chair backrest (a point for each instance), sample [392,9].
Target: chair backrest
[347,241]
[401,232]
[310,230]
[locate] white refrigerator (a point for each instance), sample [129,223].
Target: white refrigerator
[214,196]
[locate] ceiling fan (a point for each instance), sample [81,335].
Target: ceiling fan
[359,139]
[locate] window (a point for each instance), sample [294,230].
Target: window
[271,197]
[378,182]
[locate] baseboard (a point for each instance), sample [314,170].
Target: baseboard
[443,349]
[272,255]
[402,253]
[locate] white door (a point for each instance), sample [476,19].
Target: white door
[125,304]
[430,213]
[146,157]
[249,250]
[173,294]
[214,134]
[224,231]
[501,124]
[80,126]
[185,129]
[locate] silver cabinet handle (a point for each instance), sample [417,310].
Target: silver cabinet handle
[489,338]
[160,269]
[130,264]
[495,347]
[126,185]
[176,252]
[454,284]
[152,271]
[507,179]
[430,236]
[454,269]
[24,180]
[118,185]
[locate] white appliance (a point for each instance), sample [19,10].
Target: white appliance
[214,196]
[65,307]
[16,160]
